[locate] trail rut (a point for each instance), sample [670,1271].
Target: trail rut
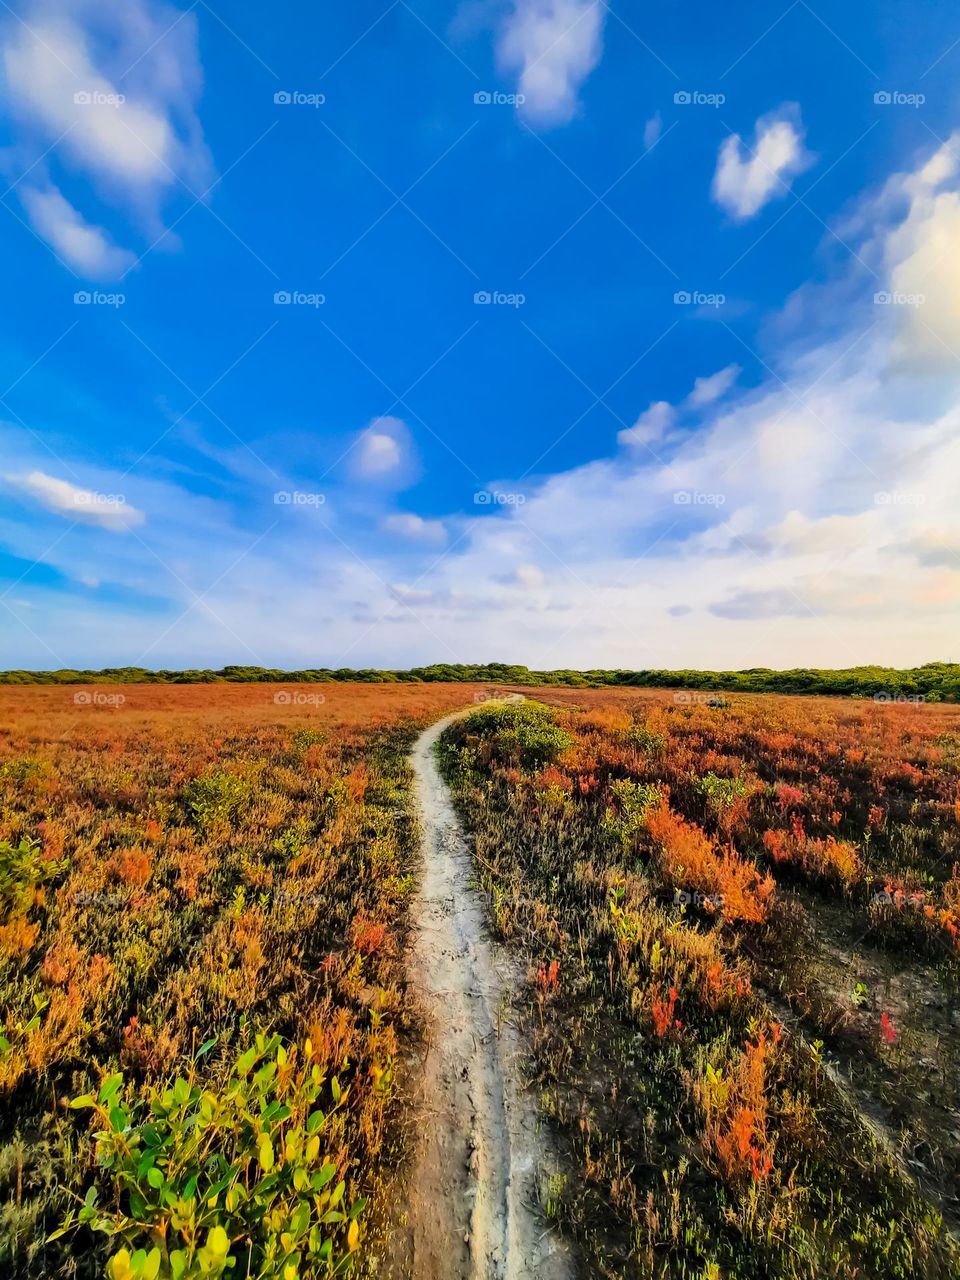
[480,1155]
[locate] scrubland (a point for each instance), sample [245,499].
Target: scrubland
[738,917]
[183,870]
[740,922]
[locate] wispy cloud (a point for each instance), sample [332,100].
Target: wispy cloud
[86,506]
[87,249]
[749,177]
[112,89]
[554,45]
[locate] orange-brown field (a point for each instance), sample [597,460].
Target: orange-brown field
[191,862]
[739,918]
[741,921]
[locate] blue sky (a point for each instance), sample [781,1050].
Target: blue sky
[544,331]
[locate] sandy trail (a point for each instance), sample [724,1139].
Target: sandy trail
[480,1155]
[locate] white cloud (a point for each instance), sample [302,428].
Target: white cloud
[747,178]
[85,248]
[383,452]
[651,426]
[107,510]
[652,131]
[707,390]
[554,44]
[110,88]
[408,525]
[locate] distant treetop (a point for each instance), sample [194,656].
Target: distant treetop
[934,681]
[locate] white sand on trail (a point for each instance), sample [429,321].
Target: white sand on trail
[481,1158]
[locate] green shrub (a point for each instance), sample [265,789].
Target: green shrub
[23,869]
[524,733]
[216,798]
[226,1182]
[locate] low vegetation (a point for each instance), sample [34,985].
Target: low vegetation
[933,682]
[202,903]
[740,922]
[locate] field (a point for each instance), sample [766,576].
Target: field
[738,920]
[740,923]
[188,865]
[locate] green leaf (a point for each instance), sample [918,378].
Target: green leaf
[246,1061]
[178,1264]
[207,1046]
[110,1086]
[152,1267]
[155,1178]
[265,1154]
[300,1219]
[85,1100]
[315,1121]
[218,1242]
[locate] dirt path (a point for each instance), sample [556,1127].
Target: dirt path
[480,1159]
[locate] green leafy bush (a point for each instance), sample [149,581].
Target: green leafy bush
[23,869]
[226,1182]
[524,733]
[216,798]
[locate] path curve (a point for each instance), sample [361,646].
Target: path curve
[481,1157]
